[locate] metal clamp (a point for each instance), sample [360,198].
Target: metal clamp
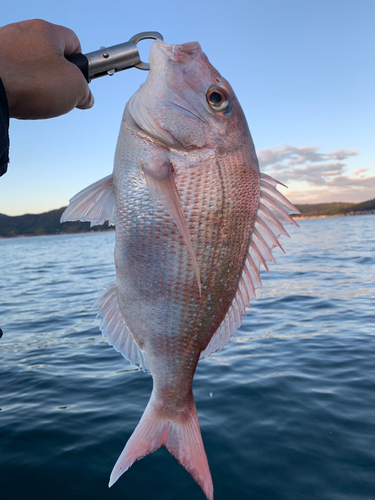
[110,60]
[145,35]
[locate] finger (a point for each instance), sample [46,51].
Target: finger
[70,44]
[71,87]
[87,102]
[67,40]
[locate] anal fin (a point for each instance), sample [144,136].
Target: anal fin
[114,328]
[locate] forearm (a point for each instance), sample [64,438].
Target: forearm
[4,128]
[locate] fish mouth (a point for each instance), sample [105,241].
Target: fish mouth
[184,53]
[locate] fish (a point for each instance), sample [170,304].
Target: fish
[195,220]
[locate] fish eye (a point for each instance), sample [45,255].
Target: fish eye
[217,98]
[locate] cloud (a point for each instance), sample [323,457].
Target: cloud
[323,176]
[313,174]
[298,156]
[347,191]
[361,171]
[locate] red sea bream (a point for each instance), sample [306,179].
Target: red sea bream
[194,221]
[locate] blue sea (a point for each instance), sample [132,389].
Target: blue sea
[287,409]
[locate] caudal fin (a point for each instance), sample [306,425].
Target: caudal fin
[181,437]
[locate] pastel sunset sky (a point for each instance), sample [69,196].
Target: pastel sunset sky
[303,71]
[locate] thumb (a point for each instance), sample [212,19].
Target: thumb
[87,101]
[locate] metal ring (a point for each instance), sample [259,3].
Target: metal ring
[145,35]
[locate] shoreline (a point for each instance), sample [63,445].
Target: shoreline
[349,214]
[55,234]
[298,217]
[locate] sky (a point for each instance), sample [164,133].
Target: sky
[303,71]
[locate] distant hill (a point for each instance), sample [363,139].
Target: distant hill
[336,208]
[49,222]
[323,209]
[364,206]
[43,224]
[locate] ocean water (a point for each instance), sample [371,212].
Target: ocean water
[287,409]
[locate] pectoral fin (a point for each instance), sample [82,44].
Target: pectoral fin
[162,187]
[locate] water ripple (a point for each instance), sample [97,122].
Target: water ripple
[286,409]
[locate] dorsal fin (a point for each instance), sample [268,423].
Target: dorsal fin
[273,212]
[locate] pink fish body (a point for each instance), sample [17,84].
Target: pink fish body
[194,221]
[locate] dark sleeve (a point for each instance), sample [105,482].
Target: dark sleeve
[4,130]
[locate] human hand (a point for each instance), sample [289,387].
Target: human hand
[38,80]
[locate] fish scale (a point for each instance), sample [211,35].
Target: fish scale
[134,241]
[195,220]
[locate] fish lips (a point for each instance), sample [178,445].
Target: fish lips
[184,53]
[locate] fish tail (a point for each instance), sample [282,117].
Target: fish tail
[184,442]
[181,436]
